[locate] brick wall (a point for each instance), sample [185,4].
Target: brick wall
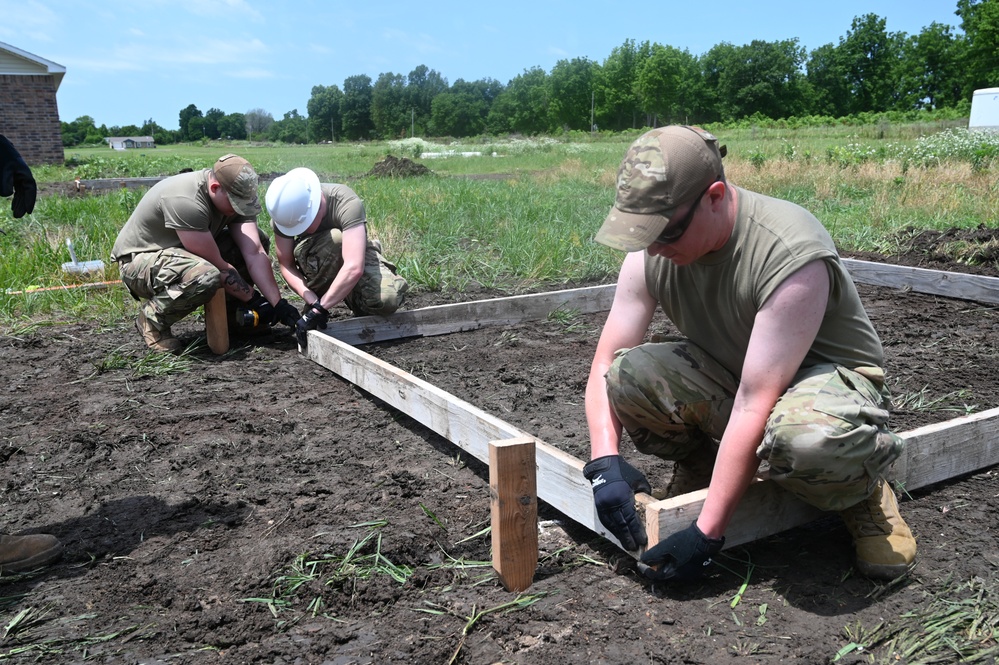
[29,117]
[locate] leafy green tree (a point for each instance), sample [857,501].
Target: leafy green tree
[356,108]
[980,22]
[390,112]
[664,85]
[827,89]
[422,85]
[616,83]
[187,114]
[232,126]
[292,128]
[937,58]
[211,126]
[870,55]
[571,93]
[80,130]
[324,113]
[522,106]
[762,78]
[464,109]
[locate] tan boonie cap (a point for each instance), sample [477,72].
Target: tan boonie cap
[239,180]
[662,170]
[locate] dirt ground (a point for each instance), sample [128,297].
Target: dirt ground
[258,509]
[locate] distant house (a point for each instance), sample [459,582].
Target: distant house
[29,114]
[127,142]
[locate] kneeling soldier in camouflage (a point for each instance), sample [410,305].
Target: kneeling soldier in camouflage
[778,361]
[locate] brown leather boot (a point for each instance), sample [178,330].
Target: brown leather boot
[161,341]
[21,553]
[885,546]
[691,473]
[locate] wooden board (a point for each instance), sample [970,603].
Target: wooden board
[217,323]
[513,497]
[933,453]
[921,280]
[458,317]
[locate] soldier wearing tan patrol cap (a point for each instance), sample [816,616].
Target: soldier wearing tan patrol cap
[777,363]
[190,234]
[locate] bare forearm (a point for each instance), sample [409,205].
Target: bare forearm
[734,469]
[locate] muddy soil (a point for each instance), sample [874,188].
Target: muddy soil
[235,512]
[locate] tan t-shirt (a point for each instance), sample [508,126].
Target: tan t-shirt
[714,301]
[180,202]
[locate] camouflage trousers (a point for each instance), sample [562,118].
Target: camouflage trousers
[826,441]
[170,284]
[380,290]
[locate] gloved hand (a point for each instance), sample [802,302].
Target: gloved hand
[285,312]
[16,179]
[314,317]
[681,557]
[262,307]
[614,484]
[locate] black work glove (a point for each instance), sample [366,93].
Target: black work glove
[259,304]
[285,312]
[16,179]
[314,317]
[614,484]
[681,557]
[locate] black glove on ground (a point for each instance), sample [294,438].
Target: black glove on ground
[614,484]
[264,309]
[285,312]
[16,179]
[315,317]
[682,556]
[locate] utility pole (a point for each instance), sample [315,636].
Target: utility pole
[592,103]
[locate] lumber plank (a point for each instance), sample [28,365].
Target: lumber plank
[946,450]
[217,323]
[459,317]
[933,453]
[922,280]
[513,495]
[559,475]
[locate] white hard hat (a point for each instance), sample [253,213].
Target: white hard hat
[293,200]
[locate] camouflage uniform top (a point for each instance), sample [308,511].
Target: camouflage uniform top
[180,202]
[714,301]
[344,210]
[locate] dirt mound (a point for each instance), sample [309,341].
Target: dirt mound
[398,167]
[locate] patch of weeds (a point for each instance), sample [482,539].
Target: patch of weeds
[921,400]
[956,624]
[308,577]
[148,364]
[518,603]
[568,318]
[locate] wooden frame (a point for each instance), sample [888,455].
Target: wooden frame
[932,453]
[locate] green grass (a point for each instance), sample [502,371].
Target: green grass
[527,219]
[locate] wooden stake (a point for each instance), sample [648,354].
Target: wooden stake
[217,323]
[513,493]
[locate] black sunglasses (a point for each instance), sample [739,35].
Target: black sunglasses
[674,232]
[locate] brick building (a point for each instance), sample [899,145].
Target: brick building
[29,114]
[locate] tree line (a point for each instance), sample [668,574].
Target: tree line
[870,71]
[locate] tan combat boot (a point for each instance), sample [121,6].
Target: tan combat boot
[21,553]
[158,340]
[691,473]
[885,546]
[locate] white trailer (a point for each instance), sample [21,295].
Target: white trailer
[984,109]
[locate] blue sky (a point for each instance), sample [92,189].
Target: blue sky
[127,61]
